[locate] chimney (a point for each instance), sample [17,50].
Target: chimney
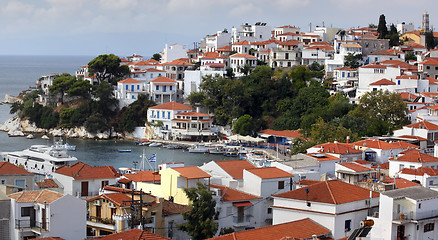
[348,139]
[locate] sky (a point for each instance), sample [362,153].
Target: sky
[125,27]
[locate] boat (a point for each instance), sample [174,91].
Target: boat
[257,159]
[60,146]
[200,148]
[219,149]
[30,136]
[124,150]
[142,143]
[173,146]
[69,147]
[39,159]
[156,144]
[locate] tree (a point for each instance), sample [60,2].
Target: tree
[200,223]
[372,25]
[353,60]
[410,56]
[107,68]
[382,109]
[156,57]
[245,69]
[381,28]
[196,98]
[244,125]
[62,84]
[431,41]
[393,36]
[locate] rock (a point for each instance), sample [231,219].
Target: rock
[15,133]
[10,99]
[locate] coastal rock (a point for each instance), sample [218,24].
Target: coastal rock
[10,99]
[56,132]
[27,126]
[11,124]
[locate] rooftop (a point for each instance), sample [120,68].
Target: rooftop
[235,167]
[40,196]
[415,193]
[173,106]
[192,172]
[133,234]
[80,171]
[7,168]
[232,195]
[269,173]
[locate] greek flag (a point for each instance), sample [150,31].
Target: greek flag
[153,158]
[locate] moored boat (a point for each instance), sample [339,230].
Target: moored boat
[156,144]
[200,148]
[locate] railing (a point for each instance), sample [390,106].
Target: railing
[101,220]
[89,194]
[21,224]
[412,215]
[242,219]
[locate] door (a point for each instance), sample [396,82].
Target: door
[32,218]
[84,189]
[43,219]
[240,214]
[98,212]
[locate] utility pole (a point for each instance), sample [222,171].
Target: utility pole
[134,204]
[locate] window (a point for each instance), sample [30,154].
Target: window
[398,82]
[281,185]
[20,183]
[170,88]
[269,210]
[138,87]
[168,115]
[427,67]
[431,182]
[127,87]
[164,88]
[162,114]
[25,211]
[402,166]
[428,227]
[347,225]
[105,183]
[3,181]
[419,205]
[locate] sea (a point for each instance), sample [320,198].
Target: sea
[18,73]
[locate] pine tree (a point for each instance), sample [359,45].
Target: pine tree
[381,28]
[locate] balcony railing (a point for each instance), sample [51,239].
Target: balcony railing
[38,226]
[242,220]
[412,215]
[101,220]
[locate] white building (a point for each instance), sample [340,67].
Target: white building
[412,159]
[374,150]
[426,176]
[128,90]
[336,205]
[241,47]
[218,40]
[227,173]
[45,213]
[238,61]
[163,90]
[403,28]
[408,213]
[82,180]
[353,172]
[173,52]
[252,33]
[318,54]
[147,75]
[422,129]
[374,72]
[194,78]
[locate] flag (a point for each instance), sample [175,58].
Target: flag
[153,158]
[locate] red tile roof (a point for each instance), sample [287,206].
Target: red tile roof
[375,143]
[170,208]
[308,182]
[179,62]
[409,96]
[163,80]
[362,162]
[423,125]
[40,196]
[404,76]
[331,192]
[235,167]
[413,137]
[133,234]
[129,80]
[242,43]
[192,172]
[404,145]
[80,171]
[232,195]
[414,156]
[143,176]
[320,157]
[116,198]
[401,183]
[373,65]
[356,167]
[337,148]
[285,133]
[7,168]
[47,183]
[382,166]
[383,82]
[300,229]
[173,106]
[269,173]
[420,171]
[242,55]
[192,114]
[345,69]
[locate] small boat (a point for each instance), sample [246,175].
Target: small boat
[200,148]
[257,159]
[142,143]
[173,146]
[69,147]
[124,150]
[45,137]
[30,136]
[157,144]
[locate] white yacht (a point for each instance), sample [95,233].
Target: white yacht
[40,159]
[200,148]
[257,159]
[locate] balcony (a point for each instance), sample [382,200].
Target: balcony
[412,216]
[242,221]
[34,226]
[104,223]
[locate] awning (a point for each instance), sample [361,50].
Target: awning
[242,204]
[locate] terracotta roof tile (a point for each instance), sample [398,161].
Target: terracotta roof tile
[231,194]
[375,143]
[129,80]
[47,183]
[163,80]
[320,157]
[331,192]
[242,43]
[173,106]
[383,81]
[116,198]
[285,133]
[423,125]
[242,55]
[356,167]
[420,171]
[300,229]
[36,196]
[382,166]
[170,208]
[7,168]
[235,167]
[133,234]
[81,170]
[191,172]
[192,114]
[401,183]
[413,137]
[269,173]
[338,148]
[362,162]
[414,156]
[308,182]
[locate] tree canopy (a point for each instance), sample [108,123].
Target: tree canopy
[107,67]
[381,28]
[200,223]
